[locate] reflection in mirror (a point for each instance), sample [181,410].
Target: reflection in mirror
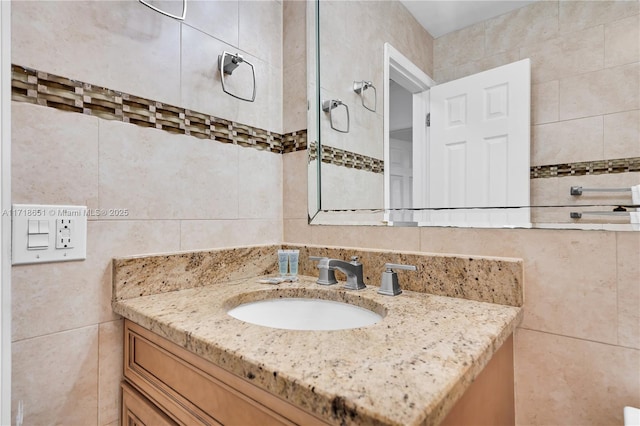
[477,151]
[468,148]
[584,125]
[407,115]
[400,153]
[313,109]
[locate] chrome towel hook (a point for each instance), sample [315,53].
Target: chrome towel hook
[360,86]
[170,15]
[227,63]
[329,106]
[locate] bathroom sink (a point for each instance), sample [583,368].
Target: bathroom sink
[294,313]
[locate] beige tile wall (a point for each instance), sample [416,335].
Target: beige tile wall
[577,352]
[123,46]
[182,193]
[352,49]
[358,189]
[579,309]
[585,79]
[562,380]
[58,377]
[294,65]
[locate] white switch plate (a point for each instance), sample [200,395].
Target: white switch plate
[67,226]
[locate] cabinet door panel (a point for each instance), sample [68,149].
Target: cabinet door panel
[197,392]
[224,403]
[138,411]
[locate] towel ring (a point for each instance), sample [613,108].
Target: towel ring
[227,63]
[360,86]
[328,106]
[170,15]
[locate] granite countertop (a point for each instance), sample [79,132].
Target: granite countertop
[408,369]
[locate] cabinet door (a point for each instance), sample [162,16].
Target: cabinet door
[139,411]
[194,391]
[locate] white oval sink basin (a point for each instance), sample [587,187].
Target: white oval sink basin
[304,314]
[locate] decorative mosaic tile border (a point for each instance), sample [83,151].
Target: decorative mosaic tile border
[600,167]
[41,88]
[341,157]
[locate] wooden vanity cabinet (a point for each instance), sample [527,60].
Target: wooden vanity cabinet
[168,385]
[139,411]
[490,399]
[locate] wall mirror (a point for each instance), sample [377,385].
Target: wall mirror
[398,140]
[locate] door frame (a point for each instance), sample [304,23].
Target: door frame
[404,72]
[5,205]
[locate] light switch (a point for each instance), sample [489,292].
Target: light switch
[38,234]
[38,241]
[34,226]
[44,227]
[48,233]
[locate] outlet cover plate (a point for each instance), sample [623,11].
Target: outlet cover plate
[35,230]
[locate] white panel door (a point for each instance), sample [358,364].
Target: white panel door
[401,179]
[479,148]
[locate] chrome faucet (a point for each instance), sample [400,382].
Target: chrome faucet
[353,271]
[389,285]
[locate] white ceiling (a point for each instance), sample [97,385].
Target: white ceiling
[440,17]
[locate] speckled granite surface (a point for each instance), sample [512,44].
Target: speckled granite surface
[408,369]
[485,279]
[150,274]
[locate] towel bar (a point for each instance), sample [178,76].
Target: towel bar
[578,215]
[578,190]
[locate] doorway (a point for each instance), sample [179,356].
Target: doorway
[406,137]
[400,152]
[466,160]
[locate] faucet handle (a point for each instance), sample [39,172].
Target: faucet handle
[390,266]
[326,274]
[389,285]
[354,260]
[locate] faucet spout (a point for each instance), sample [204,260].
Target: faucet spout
[353,270]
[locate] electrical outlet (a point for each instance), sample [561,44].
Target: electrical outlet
[47,233]
[64,233]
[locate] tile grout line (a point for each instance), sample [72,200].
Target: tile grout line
[98,393]
[615,345]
